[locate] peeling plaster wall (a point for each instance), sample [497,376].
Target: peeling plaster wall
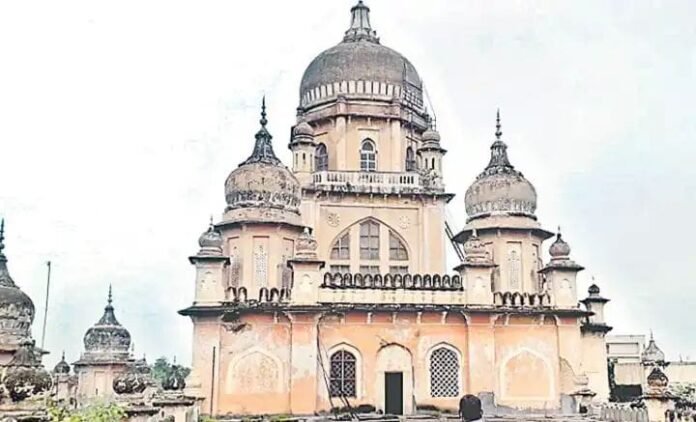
[268,364]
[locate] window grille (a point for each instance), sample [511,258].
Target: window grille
[342,374]
[444,373]
[341,249]
[369,240]
[261,264]
[397,250]
[514,261]
[369,269]
[398,269]
[343,269]
[368,156]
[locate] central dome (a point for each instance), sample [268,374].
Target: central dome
[360,65]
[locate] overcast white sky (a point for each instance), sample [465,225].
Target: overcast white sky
[119,122]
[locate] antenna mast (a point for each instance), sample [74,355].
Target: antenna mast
[48,289]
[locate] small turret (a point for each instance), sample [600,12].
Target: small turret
[595,303]
[561,274]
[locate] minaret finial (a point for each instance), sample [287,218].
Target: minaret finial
[62,356]
[263,149]
[263,120]
[211,221]
[110,299]
[360,28]
[652,338]
[2,235]
[498,133]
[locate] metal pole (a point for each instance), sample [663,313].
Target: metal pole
[48,289]
[212,383]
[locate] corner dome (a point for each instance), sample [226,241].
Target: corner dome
[500,189]
[16,307]
[107,339]
[262,189]
[210,241]
[360,58]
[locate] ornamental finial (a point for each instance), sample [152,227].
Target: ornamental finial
[110,299]
[263,120]
[360,28]
[498,133]
[2,235]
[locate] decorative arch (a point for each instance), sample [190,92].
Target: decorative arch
[444,366]
[395,357]
[254,371]
[518,368]
[368,155]
[338,370]
[321,158]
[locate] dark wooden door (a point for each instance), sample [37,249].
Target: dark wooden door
[394,393]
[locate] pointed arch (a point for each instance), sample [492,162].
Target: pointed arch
[345,371]
[397,248]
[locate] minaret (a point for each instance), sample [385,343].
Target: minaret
[500,205]
[305,153]
[211,267]
[477,272]
[561,274]
[431,153]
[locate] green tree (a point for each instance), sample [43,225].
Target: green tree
[98,412]
[164,372]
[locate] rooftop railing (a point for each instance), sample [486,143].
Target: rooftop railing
[376,182]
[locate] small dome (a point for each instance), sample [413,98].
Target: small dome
[657,379]
[262,189]
[652,352]
[62,367]
[593,290]
[500,189]
[210,241]
[559,248]
[107,339]
[16,307]
[360,57]
[303,129]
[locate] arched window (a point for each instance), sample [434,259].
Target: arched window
[368,156]
[341,249]
[410,160]
[397,250]
[342,374]
[369,240]
[444,373]
[321,159]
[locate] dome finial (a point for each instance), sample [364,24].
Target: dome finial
[263,120]
[263,149]
[498,133]
[499,158]
[2,238]
[110,298]
[360,28]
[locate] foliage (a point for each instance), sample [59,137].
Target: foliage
[685,391]
[93,413]
[164,372]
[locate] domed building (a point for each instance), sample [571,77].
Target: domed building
[16,310]
[325,285]
[106,355]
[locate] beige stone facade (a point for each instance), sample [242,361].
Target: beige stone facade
[325,285]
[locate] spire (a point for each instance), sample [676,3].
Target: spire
[5,278]
[263,148]
[360,28]
[499,158]
[109,318]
